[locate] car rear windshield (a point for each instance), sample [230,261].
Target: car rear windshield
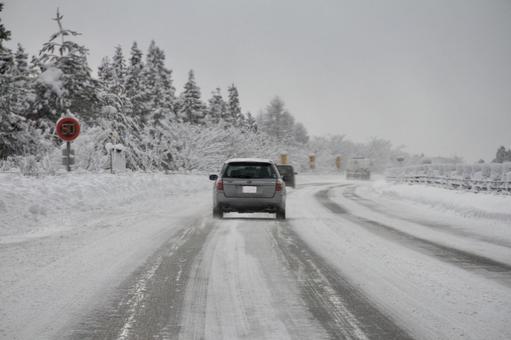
[249,170]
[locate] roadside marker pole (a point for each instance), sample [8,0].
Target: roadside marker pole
[68,151]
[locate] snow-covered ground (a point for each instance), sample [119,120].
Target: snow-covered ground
[139,256]
[37,206]
[477,223]
[66,241]
[440,273]
[469,204]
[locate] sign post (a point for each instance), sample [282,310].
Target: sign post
[283,158]
[312,161]
[68,128]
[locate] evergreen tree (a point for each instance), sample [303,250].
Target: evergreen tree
[134,89]
[5,54]
[251,123]
[118,126]
[192,108]
[234,115]
[276,121]
[157,81]
[112,88]
[106,71]
[10,123]
[300,133]
[21,60]
[159,96]
[217,108]
[5,34]
[65,82]
[22,91]
[119,71]
[119,65]
[502,155]
[17,135]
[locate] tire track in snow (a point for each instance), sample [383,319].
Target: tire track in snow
[251,292]
[149,303]
[193,313]
[468,261]
[350,193]
[341,308]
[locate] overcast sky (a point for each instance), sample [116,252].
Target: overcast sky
[434,75]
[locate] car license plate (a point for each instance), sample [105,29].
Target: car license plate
[249,190]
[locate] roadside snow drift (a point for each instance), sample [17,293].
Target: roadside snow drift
[468,204]
[36,206]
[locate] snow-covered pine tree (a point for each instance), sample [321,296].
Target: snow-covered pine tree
[10,123]
[217,108]
[118,126]
[134,89]
[192,109]
[234,114]
[300,133]
[502,155]
[65,82]
[17,134]
[115,83]
[112,88]
[21,59]
[105,71]
[276,121]
[251,123]
[23,92]
[160,100]
[5,53]
[157,83]
[119,66]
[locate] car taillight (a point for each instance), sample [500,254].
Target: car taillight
[278,185]
[220,185]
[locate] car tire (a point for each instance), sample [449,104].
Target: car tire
[217,212]
[281,214]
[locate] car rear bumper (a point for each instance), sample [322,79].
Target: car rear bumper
[252,204]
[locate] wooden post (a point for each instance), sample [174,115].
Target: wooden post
[284,159]
[338,162]
[312,161]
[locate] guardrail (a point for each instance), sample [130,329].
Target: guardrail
[492,177]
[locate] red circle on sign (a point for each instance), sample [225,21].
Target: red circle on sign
[68,128]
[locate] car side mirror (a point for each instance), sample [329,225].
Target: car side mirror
[213,177]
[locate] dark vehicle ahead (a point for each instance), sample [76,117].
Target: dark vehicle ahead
[249,185]
[288,174]
[358,168]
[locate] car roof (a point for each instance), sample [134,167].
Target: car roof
[249,160]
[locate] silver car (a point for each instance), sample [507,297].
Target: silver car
[249,185]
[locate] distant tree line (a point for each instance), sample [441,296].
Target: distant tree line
[133,102]
[503,155]
[133,98]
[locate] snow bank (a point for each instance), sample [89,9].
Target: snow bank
[468,204]
[36,206]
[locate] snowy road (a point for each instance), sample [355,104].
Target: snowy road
[346,264]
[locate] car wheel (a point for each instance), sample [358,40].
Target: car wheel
[281,214]
[217,212]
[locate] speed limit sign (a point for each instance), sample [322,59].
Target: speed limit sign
[68,128]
